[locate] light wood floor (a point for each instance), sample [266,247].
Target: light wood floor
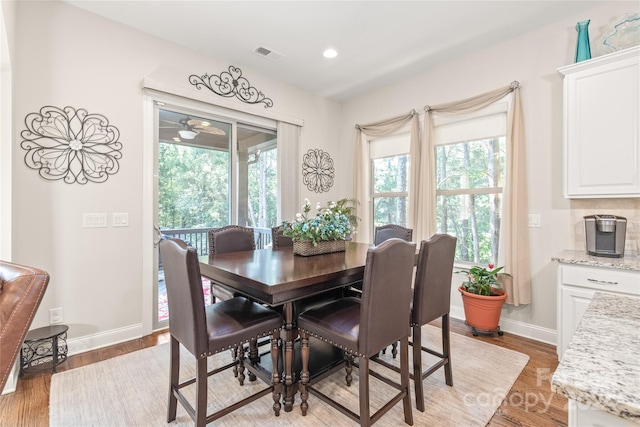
[529,403]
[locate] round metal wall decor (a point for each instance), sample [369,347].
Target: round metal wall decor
[71,145]
[317,170]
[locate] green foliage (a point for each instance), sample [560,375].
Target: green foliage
[193,188]
[390,192]
[480,280]
[336,221]
[474,219]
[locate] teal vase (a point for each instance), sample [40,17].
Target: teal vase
[583,49]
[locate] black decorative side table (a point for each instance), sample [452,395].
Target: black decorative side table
[44,348]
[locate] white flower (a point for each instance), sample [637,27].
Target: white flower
[298,216]
[318,206]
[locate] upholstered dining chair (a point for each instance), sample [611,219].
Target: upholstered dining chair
[231,238]
[363,326]
[432,300]
[389,231]
[207,330]
[21,291]
[278,239]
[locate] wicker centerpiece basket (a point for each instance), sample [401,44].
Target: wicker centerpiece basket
[324,233]
[306,248]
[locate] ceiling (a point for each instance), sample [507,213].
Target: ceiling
[378,42]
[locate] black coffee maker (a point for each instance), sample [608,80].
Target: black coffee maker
[605,235]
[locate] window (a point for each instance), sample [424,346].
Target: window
[390,166]
[195,184]
[470,159]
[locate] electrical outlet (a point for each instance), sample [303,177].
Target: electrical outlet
[55,315]
[630,245]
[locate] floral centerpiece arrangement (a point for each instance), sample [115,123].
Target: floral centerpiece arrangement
[333,223]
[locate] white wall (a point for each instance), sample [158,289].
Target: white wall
[65,56]
[531,59]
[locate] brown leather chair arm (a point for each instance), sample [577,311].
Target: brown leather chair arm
[21,290]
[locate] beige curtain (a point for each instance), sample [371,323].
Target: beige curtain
[288,170]
[361,169]
[514,231]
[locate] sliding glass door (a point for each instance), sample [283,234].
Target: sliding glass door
[212,171]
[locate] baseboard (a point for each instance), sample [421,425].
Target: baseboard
[526,330]
[12,380]
[104,339]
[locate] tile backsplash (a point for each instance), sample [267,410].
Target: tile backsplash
[628,208]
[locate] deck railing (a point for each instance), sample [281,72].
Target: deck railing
[199,239]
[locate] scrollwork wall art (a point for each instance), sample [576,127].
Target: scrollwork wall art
[71,145]
[230,84]
[317,170]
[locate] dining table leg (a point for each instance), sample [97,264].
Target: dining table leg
[290,335]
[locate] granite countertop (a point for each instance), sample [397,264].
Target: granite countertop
[601,366]
[628,262]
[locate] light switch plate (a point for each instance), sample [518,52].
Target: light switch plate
[120,220]
[94,220]
[534,220]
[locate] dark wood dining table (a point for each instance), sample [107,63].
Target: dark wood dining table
[277,278]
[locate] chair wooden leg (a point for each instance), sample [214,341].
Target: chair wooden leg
[446,349]
[363,379]
[404,379]
[304,375]
[253,357]
[234,355]
[201,392]
[241,376]
[348,367]
[275,376]
[394,350]
[417,367]
[174,377]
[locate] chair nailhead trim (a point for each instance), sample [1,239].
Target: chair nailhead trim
[260,335]
[340,346]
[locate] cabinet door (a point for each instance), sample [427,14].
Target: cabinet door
[574,303]
[602,117]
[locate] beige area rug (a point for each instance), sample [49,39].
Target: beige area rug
[131,390]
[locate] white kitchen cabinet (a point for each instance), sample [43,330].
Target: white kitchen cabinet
[576,286]
[602,126]
[581,415]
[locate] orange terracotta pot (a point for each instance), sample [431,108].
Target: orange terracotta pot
[483,312]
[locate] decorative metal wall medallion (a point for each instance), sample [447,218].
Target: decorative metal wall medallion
[317,171]
[71,145]
[230,84]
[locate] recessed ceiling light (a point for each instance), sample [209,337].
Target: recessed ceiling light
[330,53]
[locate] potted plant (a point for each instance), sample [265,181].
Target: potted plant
[325,232]
[482,298]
